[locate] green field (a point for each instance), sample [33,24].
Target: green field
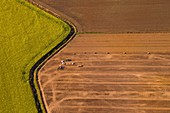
[26,34]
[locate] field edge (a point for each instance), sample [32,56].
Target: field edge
[33,74]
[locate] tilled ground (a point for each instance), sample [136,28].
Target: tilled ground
[110,74]
[113,16]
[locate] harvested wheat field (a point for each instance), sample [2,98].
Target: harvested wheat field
[108,73]
[113,16]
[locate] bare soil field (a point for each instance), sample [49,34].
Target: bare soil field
[113,16]
[106,73]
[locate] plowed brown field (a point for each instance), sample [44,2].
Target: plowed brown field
[114,16]
[110,81]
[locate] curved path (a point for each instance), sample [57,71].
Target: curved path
[33,79]
[110,73]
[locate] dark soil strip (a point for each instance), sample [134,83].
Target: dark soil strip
[42,61]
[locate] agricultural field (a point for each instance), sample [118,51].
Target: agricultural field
[109,73]
[26,34]
[113,16]
[118,62]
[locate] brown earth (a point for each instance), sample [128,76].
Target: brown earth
[110,81]
[113,16]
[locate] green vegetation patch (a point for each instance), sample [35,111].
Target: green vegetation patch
[26,34]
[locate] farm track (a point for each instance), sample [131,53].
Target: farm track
[33,78]
[121,73]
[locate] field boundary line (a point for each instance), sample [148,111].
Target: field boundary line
[36,87]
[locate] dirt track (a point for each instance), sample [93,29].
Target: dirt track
[114,16]
[122,73]
[110,81]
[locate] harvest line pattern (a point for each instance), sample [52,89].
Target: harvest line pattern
[109,81]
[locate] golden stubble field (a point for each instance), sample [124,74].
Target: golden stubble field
[109,73]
